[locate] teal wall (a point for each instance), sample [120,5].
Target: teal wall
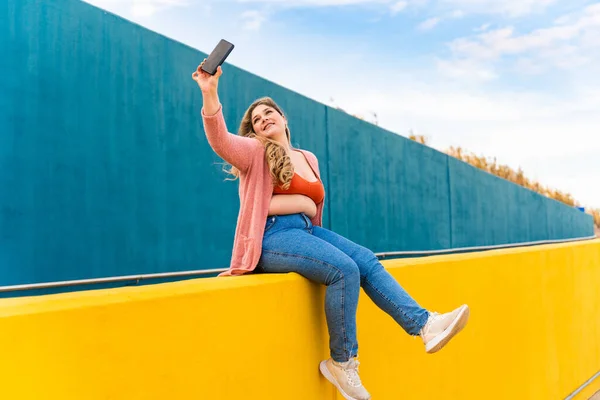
[105,170]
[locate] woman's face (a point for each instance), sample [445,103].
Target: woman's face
[267,122]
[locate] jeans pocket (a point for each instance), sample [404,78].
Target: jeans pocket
[307,220]
[270,222]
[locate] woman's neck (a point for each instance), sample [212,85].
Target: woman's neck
[286,145]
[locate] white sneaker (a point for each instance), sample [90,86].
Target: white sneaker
[345,377]
[440,328]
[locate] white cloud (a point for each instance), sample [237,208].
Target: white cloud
[429,24]
[465,69]
[528,66]
[503,41]
[506,7]
[570,43]
[316,3]
[482,28]
[434,21]
[143,9]
[253,19]
[398,7]
[138,8]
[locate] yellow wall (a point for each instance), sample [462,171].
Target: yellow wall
[534,333]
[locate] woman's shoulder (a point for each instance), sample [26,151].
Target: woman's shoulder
[311,156]
[307,153]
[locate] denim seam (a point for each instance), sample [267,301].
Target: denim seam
[346,344]
[388,300]
[391,302]
[346,351]
[384,296]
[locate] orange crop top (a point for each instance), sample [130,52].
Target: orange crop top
[299,185]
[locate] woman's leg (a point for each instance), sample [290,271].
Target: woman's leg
[379,285]
[288,246]
[435,329]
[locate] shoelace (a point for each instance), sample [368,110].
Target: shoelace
[351,371]
[434,316]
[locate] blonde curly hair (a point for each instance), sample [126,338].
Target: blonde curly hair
[280,164]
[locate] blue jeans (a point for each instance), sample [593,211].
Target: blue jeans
[292,244]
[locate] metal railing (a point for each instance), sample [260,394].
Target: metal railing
[138,278]
[483,248]
[582,387]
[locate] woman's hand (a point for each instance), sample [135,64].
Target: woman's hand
[208,83]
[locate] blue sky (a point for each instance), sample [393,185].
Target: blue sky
[518,80]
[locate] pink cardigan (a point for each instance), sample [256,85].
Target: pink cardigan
[255,189]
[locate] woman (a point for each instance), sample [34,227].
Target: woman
[279,230]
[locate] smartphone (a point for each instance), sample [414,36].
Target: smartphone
[217,56]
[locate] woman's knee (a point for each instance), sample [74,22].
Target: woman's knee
[367,261]
[346,270]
